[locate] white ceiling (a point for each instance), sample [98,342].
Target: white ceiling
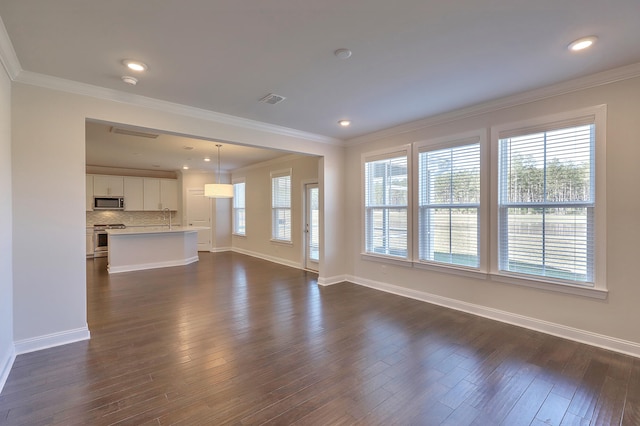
[166,152]
[411,58]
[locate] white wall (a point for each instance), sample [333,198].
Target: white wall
[220,208]
[6,257]
[49,254]
[578,317]
[258,209]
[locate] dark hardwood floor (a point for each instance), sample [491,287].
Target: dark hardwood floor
[237,340]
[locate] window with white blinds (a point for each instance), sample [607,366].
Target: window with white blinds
[546,202]
[239,221]
[448,204]
[281,205]
[386,182]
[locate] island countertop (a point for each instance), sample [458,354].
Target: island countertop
[149,247]
[135,230]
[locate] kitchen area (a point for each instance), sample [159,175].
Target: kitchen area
[138,215]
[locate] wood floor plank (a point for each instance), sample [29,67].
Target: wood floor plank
[553,409]
[531,401]
[235,340]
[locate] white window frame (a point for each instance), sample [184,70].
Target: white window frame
[274,210]
[468,138]
[597,116]
[404,150]
[236,209]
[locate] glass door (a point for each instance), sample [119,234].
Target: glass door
[312,227]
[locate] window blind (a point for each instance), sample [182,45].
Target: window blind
[239,224]
[386,205]
[281,206]
[546,203]
[448,205]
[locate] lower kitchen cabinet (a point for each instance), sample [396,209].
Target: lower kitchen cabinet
[90,242]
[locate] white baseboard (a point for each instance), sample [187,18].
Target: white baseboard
[50,340]
[332,280]
[219,249]
[559,330]
[262,256]
[154,265]
[5,365]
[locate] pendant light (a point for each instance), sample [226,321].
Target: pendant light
[218,190]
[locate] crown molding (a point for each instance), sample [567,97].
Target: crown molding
[593,80]
[63,85]
[8,56]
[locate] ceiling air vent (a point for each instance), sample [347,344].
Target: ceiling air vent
[129,132]
[272,99]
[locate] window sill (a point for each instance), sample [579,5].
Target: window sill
[283,242]
[239,235]
[558,287]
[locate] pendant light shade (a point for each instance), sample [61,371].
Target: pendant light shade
[218,190]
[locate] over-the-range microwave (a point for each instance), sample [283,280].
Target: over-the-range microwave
[108,203]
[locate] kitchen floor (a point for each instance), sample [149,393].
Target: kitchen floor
[237,340]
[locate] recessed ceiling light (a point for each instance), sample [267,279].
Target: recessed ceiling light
[135,65]
[132,81]
[582,43]
[343,53]
[344,123]
[185,167]
[207,159]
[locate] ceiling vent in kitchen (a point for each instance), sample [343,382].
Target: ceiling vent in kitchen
[129,132]
[272,99]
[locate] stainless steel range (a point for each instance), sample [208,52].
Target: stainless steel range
[101,239]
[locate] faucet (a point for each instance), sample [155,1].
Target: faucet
[168,211]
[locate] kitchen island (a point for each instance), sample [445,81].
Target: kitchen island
[138,248]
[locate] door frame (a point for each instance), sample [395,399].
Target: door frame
[305,218]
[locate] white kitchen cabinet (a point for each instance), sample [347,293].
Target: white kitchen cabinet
[151,194]
[133,193]
[108,186]
[169,193]
[89,242]
[160,194]
[89,193]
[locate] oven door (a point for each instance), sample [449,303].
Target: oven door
[100,244]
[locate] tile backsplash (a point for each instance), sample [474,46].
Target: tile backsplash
[131,218]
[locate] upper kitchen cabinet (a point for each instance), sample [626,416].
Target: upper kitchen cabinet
[108,185]
[160,194]
[89,193]
[133,193]
[169,194]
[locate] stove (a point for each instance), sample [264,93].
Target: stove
[101,239]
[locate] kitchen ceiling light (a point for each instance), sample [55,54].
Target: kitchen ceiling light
[344,123]
[582,43]
[135,65]
[185,167]
[218,190]
[207,159]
